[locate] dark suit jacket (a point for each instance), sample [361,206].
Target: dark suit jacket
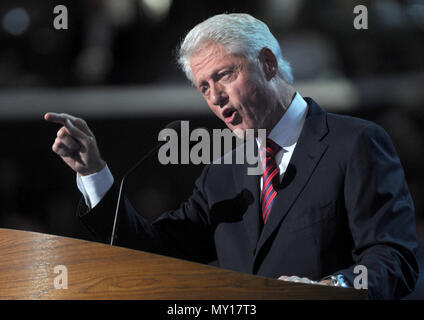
[343,202]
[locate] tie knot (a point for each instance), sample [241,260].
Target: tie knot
[271,148]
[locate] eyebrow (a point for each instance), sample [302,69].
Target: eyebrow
[215,73]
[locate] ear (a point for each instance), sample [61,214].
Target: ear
[269,63]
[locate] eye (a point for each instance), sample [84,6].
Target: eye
[225,74]
[204,88]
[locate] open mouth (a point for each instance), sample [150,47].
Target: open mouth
[229,115]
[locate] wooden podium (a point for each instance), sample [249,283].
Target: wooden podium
[99,271]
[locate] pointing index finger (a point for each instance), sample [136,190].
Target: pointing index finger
[57,117]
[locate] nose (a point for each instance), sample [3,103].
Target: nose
[218,95]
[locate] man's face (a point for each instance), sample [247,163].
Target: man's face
[233,87]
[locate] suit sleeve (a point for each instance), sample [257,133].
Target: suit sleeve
[183,233]
[381,217]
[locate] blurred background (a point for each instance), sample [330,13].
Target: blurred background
[115,67]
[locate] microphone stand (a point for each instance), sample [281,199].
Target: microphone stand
[128,173]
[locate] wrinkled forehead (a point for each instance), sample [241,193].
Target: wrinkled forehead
[210,56]
[208,50]
[207,58]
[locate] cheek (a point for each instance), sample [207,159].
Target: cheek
[243,93]
[214,109]
[250,98]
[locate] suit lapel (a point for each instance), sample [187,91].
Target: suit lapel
[249,186]
[307,154]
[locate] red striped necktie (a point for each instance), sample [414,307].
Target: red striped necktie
[270,177]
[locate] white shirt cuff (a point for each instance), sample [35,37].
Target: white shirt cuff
[94,186]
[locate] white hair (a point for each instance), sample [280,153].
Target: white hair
[240,33]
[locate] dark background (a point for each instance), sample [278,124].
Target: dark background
[115,67]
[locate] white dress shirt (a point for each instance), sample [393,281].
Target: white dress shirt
[285,133]
[94,186]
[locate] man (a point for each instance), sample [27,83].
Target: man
[333,194]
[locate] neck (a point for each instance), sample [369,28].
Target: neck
[283,102]
[286,97]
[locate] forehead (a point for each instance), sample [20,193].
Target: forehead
[210,58]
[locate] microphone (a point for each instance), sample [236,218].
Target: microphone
[175,125]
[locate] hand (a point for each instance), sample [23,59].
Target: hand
[76,144]
[297,279]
